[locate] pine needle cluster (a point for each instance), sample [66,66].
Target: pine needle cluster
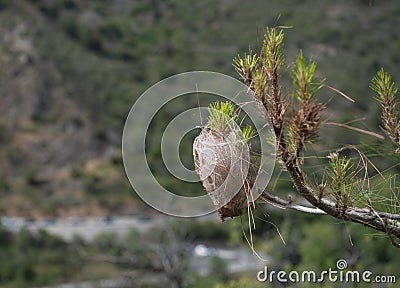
[386,92]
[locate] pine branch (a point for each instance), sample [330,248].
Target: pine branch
[303,125]
[362,214]
[266,197]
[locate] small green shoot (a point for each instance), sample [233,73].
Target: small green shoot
[248,133]
[386,92]
[272,50]
[221,116]
[302,75]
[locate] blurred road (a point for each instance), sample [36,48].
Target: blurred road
[86,228]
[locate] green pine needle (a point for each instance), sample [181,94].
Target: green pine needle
[221,116]
[302,75]
[383,86]
[272,49]
[386,91]
[248,133]
[342,180]
[246,65]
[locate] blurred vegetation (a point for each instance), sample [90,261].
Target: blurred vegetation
[27,259]
[36,259]
[100,55]
[103,54]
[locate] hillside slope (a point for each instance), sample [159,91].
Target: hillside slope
[71,70]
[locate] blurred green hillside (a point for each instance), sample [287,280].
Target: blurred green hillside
[70,72]
[72,69]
